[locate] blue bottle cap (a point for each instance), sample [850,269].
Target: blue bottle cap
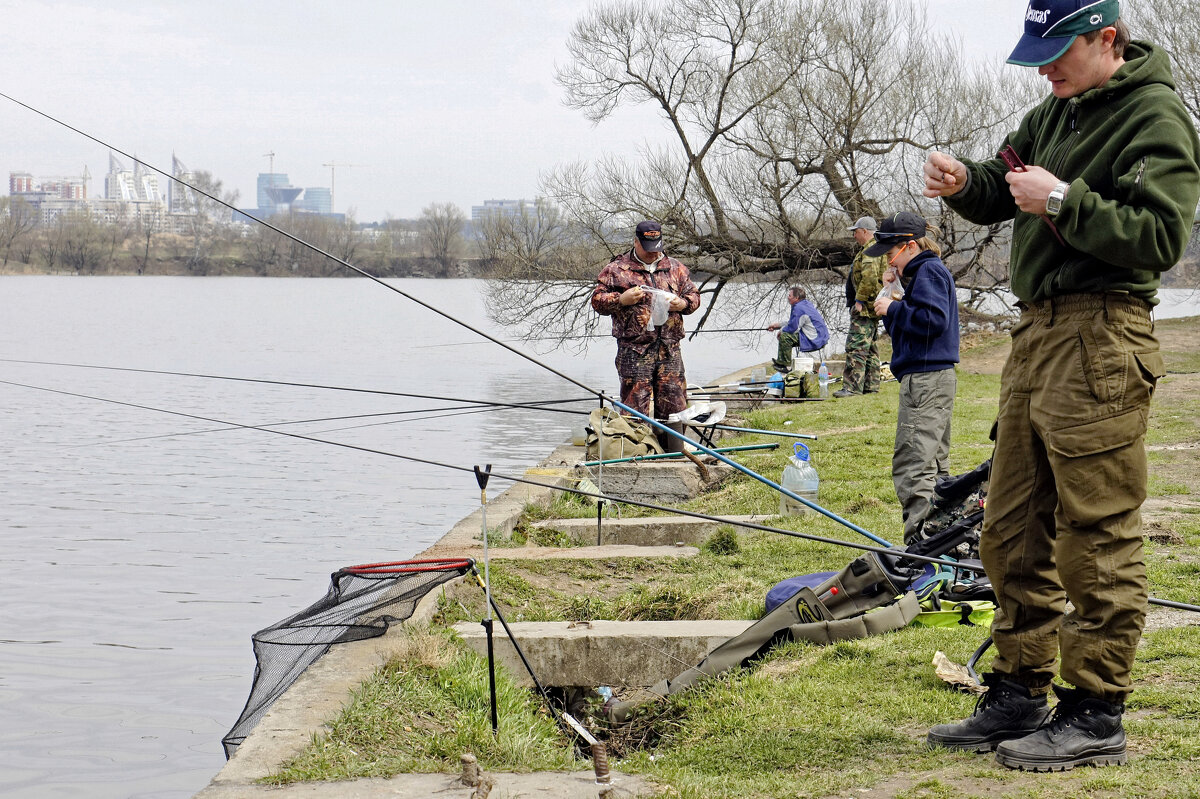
[801,451]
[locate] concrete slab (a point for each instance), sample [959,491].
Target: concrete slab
[627,654]
[644,531]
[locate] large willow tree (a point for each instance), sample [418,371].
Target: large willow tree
[788,119]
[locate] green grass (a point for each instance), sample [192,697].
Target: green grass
[808,721]
[421,712]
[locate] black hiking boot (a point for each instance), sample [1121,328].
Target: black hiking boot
[1005,712]
[1084,731]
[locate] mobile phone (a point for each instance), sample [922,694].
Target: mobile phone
[1012,159]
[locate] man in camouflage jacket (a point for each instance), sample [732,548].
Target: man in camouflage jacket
[649,363]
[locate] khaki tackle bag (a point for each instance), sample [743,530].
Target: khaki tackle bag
[611,435]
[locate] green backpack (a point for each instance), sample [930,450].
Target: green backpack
[798,385]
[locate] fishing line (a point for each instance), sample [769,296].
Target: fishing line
[312,247]
[587,335]
[292,384]
[599,394]
[462,412]
[890,551]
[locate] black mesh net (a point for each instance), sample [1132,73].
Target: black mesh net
[362,602]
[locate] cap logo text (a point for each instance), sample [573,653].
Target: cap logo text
[1034,15]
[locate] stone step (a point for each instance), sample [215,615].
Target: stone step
[656,481]
[643,531]
[614,653]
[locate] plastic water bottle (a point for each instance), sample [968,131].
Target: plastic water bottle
[823,379]
[801,479]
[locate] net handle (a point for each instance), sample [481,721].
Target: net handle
[411,566]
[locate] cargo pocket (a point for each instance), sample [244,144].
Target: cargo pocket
[1151,367]
[1092,362]
[1100,466]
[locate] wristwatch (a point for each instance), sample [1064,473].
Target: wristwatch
[1055,200]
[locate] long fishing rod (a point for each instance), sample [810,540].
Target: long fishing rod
[461,411]
[577,336]
[294,384]
[450,317]
[600,497]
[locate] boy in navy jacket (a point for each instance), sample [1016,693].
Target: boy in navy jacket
[923,324]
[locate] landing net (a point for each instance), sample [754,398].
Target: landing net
[352,610]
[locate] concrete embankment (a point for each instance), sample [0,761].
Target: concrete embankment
[563,654]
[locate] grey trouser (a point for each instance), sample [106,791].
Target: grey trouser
[922,442]
[1067,482]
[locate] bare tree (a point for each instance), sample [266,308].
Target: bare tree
[208,220]
[441,232]
[83,243]
[538,247]
[1176,28]
[17,220]
[788,118]
[145,226]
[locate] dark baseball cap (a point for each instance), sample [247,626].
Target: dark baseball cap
[650,235]
[896,229]
[1052,25]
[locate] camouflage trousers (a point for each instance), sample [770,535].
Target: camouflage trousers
[654,377]
[782,362]
[861,374]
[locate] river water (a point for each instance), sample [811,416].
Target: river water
[141,549]
[142,546]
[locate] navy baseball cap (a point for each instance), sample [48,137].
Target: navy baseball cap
[650,235]
[1052,25]
[898,228]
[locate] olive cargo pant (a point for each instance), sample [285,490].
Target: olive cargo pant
[922,451]
[1068,479]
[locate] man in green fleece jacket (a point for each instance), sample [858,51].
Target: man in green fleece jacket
[1103,207]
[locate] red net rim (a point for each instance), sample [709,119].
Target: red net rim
[412,566]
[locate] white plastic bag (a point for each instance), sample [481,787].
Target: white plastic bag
[660,307]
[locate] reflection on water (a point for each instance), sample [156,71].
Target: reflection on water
[143,543]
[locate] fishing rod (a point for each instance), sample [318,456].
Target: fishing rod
[600,497]
[576,336]
[451,318]
[460,412]
[294,384]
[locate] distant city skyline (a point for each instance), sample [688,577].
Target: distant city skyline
[453,102]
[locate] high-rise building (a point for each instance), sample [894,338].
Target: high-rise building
[136,185]
[266,182]
[504,207]
[317,200]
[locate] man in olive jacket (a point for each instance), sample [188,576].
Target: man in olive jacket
[861,374]
[1104,206]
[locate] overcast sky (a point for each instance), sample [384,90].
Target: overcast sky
[434,101]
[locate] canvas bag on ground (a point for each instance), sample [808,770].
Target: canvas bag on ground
[611,435]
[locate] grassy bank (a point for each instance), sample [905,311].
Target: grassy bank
[808,721]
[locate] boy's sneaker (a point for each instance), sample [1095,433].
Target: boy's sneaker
[1084,731]
[1005,712]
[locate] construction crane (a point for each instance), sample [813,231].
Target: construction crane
[333,165]
[270,166]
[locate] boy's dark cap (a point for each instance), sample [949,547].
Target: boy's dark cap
[650,235]
[1052,25]
[896,229]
